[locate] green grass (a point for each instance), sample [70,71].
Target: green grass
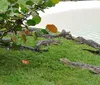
[45,68]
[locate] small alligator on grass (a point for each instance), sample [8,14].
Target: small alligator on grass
[94,69]
[6,43]
[91,43]
[93,51]
[47,42]
[79,39]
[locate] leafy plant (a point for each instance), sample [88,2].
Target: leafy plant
[15,19]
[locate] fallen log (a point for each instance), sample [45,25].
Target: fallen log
[94,69]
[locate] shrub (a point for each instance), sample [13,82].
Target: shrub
[15,18]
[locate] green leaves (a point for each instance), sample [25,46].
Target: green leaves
[19,38]
[18,28]
[30,3]
[31,22]
[16,17]
[14,39]
[12,1]
[44,31]
[37,19]
[23,36]
[55,1]
[49,3]
[3,15]
[23,8]
[34,35]
[16,5]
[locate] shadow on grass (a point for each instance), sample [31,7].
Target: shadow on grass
[11,61]
[8,63]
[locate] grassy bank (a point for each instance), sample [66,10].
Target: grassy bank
[45,68]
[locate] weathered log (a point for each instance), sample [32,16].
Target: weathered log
[94,69]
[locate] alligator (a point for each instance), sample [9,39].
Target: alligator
[88,42]
[92,68]
[92,51]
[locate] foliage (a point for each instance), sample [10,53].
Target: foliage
[15,19]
